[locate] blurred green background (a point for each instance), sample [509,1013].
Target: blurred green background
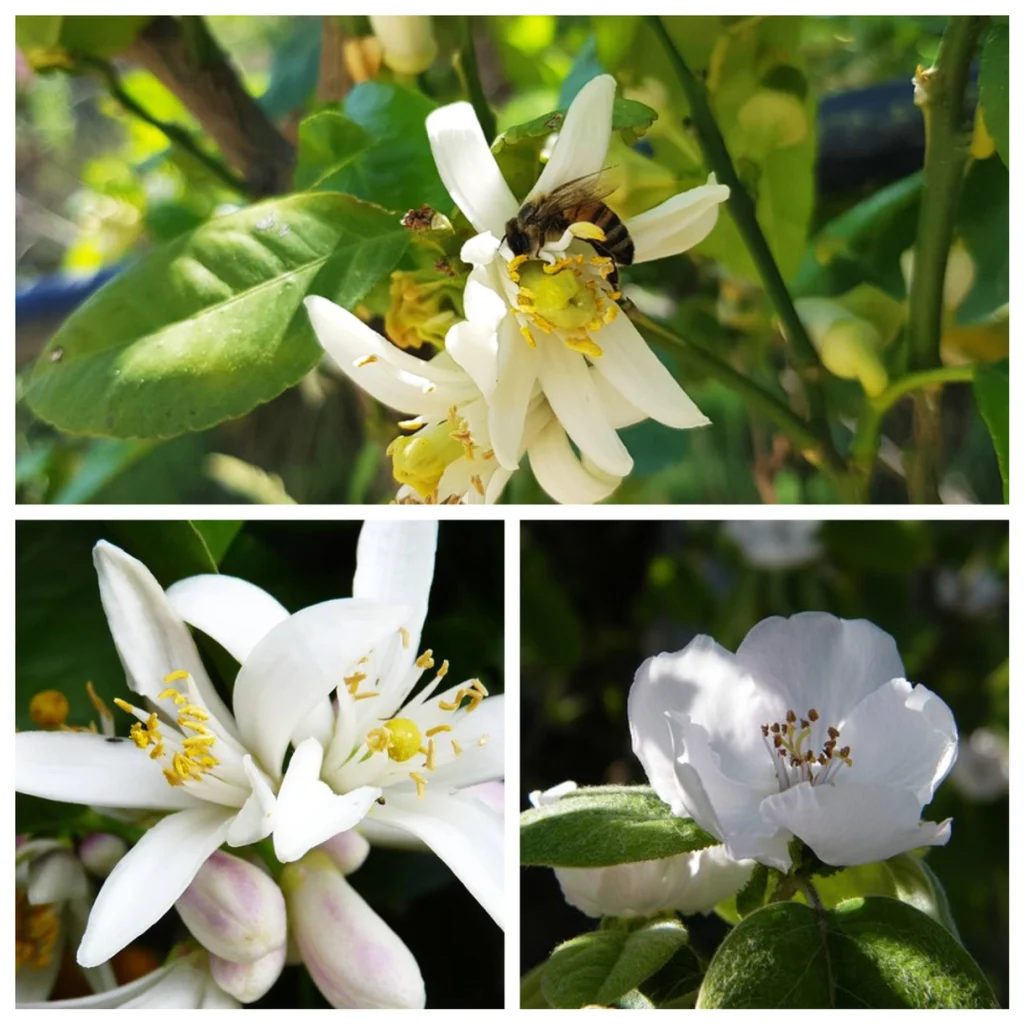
[62,641]
[600,597]
[817,111]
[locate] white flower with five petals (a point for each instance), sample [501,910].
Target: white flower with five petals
[809,730]
[551,326]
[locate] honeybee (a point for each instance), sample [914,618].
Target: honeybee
[546,218]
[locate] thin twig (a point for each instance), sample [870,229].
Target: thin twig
[470,75]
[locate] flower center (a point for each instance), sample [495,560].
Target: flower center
[186,756]
[36,932]
[792,747]
[571,297]
[420,460]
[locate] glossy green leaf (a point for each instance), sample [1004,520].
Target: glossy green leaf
[994,87]
[328,143]
[603,966]
[992,391]
[880,953]
[396,169]
[54,40]
[603,825]
[216,535]
[631,117]
[212,324]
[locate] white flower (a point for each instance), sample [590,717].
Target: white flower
[183,984]
[551,326]
[808,730]
[776,543]
[215,772]
[354,957]
[52,900]
[408,41]
[691,883]
[448,456]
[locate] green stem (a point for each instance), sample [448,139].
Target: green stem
[175,133]
[812,446]
[470,75]
[807,888]
[864,447]
[744,214]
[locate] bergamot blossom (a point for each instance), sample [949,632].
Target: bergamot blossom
[214,773]
[776,543]
[809,730]
[552,325]
[366,753]
[446,456]
[690,883]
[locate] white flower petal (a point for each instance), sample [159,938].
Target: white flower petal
[117,997]
[570,392]
[255,820]
[619,411]
[33,985]
[308,811]
[56,878]
[468,168]
[582,144]
[463,833]
[484,305]
[853,822]
[814,660]
[481,249]
[84,768]
[629,365]
[517,375]
[390,375]
[298,663]
[152,639]
[560,472]
[149,878]
[902,736]
[475,348]
[477,764]
[236,613]
[678,223]
[499,478]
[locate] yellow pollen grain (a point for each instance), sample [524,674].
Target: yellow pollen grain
[405,636]
[421,784]
[456,747]
[437,729]
[425,660]
[365,361]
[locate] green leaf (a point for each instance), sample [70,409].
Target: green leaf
[530,997]
[328,143]
[395,168]
[631,117]
[992,391]
[886,955]
[606,825]
[753,895]
[216,535]
[54,40]
[994,87]
[880,953]
[171,550]
[603,966]
[212,325]
[915,883]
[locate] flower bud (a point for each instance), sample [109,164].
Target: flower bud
[408,41]
[848,344]
[421,459]
[100,852]
[234,909]
[959,278]
[250,981]
[348,850]
[356,960]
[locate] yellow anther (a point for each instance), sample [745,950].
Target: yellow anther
[157,752]
[400,737]
[97,702]
[429,763]
[437,729]
[412,424]
[443,670]
[378,740]
[172,677]
[445,705]
[526,293]
[478,485]
[484,740]
[193,711]
[365,696]
[514,264]
[174,695]
[37,929]
[405,636]
[365,361]
[124,705]
[527,334]
[48,708]
[584,344]
[456,747]
[421,783]
[353,681]
[425,660]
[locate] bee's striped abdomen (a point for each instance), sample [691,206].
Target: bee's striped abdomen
[617,243]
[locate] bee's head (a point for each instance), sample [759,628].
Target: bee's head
[518,240]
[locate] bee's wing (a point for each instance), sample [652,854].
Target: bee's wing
[588,189]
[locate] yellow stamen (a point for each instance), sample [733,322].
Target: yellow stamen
[124,705]
[405,636]
[425,660]
[437,729]
[525,332]
[514,264]
[456,747]
[429,763]
[365,696]
[421,784]
[365,361]
[582,343]
[484,740]
[49,708]
[172,677]
[478,485]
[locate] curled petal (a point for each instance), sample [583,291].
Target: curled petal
[468,168]
[560,472]
[677,224]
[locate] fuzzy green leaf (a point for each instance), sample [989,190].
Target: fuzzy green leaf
[602,967]
[211,325]
[606,825]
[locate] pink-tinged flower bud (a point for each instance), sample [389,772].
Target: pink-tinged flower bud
[251,981]
[356,960]
[234,909]
[348,850]
[100,852]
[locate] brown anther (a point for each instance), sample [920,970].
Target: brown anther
[823,760]
[775,726]
[778,741]
[764,730]
[844,752]
[812,715]
[833,732]
[795,762]
[829,747]
[791,716]
[804,724]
